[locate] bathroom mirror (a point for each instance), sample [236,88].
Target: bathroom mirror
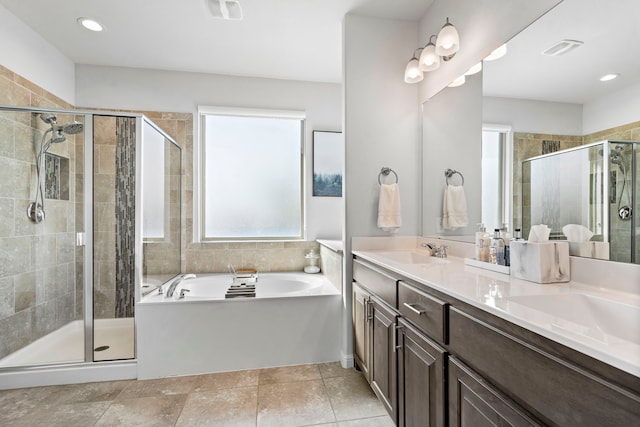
[555,101]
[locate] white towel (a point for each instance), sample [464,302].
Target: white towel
[454,208]
[389,218]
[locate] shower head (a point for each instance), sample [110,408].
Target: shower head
[616,159]
[57,136]
[48,118]
[72,128]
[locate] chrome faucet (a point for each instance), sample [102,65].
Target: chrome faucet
[177,281]
[432,247]
[434,250]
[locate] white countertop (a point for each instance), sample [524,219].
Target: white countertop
[567,318]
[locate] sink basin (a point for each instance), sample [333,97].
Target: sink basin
[411,257]
[586,315]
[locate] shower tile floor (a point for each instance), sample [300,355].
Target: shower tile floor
[308,395]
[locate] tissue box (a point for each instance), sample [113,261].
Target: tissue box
[545,262]
[589,249]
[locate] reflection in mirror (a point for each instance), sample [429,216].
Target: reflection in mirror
[161,166]
[557,102]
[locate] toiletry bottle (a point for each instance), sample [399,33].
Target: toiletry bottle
[504,234]
[481,254]
[497,248]
[517,234]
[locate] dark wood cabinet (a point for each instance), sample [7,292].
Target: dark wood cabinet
[475,403]
[383,355]
[361,302]
[421,379]
[554,390]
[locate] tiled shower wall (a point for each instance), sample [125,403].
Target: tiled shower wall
[38,269]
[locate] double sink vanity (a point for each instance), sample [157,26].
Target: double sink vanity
[444,343]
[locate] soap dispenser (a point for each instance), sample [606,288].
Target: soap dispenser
[482,250]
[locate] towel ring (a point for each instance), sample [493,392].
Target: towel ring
[450,172]
[386,171]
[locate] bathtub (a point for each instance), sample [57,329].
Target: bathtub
[294,319]
[268,285]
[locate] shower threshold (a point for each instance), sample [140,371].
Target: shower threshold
[66,344]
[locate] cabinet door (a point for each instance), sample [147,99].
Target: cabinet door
[421,379]
[474,403]
[383,355]
[360,313]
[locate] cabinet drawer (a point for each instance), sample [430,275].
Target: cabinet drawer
[379,283]
[554,390]
[425,311]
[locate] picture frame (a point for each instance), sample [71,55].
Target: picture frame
[328,163]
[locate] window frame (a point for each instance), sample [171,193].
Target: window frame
[199,170]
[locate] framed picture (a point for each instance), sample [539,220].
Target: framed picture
[328,160]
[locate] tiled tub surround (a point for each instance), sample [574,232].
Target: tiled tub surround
[493,292]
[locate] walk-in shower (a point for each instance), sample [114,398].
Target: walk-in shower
[584,186]
[35,210]
[69,279]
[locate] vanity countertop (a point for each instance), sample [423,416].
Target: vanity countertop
[602,324]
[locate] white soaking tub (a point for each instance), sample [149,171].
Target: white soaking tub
[293,319]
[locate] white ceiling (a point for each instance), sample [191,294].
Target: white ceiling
[284,39]
[610,31]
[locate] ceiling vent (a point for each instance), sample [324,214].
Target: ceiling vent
[562,47]
[225,9]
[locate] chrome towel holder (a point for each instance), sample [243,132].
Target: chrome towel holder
[386,171]
[450,172]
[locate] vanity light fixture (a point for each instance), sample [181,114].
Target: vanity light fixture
[458,82]
[448,41]
[475,69]
[446,45]
[429,59]
[90,24]
[497,54]
[413,73]
[608,77]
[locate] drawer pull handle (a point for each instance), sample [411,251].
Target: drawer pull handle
[415,310]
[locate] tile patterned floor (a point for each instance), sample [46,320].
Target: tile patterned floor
[308,395]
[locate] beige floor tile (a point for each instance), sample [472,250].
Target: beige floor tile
[15,404]
[71,415]
[227,380]
[293,404]
[289,374]
[334,369]
[230,408]
[159,387]
[351,398]
[154,411]
[368,422]
[85,393]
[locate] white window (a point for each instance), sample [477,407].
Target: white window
[251,175]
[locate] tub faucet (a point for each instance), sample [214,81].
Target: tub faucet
[177,281]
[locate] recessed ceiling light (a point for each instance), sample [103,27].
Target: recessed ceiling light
[608,77]
[90,24]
